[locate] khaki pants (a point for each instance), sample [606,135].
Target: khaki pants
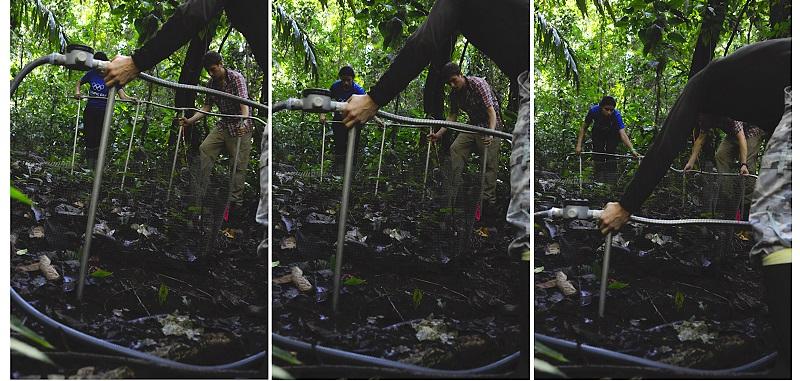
[210,150]
[462,147]
[731,187]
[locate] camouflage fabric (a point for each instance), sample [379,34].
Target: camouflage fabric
[771,213]
[519,207]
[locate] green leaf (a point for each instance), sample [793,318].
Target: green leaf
[163,292]
[544,366]
[279,373]
[679,300]
[547,351]
[416,297]
[285,355]
[16,194]
[616,285]
[276,263]
[17,326]
[28,351]
[100,273]
[354,281]
[22,251]
[537,270]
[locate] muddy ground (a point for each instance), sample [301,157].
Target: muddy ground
[686,296]
[165,280]
[423,284]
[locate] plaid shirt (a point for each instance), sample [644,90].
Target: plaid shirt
[474,98]
[234,83]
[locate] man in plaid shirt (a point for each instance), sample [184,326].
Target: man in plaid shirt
[229,131]
[475,97]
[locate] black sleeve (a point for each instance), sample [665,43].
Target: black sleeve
[435,35]
[189,18]
[747,85]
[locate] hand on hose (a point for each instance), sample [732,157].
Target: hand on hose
[323,117]
[434,137]
[358,110]
[487,139]
[689,165]
[77,96]
[120,71]
[578,149]
[635,154]
[613,217]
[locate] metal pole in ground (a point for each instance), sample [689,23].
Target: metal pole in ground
[380,160]
[75,141]
[322,153]
[427,162]
[98,179]
[130,145]
[604,275]
[174,161]
[580,174]
[683,193]
[483,180]
[348,177]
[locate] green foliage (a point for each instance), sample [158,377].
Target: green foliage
[679,300]
[163,292]
[100,273]
[28,351]
[617,285]
[416,298]
[17,326]
[16,194]
[541,365]
[354,281]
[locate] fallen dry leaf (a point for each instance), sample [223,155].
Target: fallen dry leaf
[564,285]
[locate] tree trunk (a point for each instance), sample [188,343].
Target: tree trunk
[708,37]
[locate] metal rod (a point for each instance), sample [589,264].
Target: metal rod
[604,275]
[98,179]
[580,174]
[130,146]
[380,160]
[683,193]
[483,178]
[427,163]
[235,165]
[322,153]
[348,176]
[75,141]
[174,162]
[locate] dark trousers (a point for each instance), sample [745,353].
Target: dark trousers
[92,130]
[778,290]
[340,141]
[605,167]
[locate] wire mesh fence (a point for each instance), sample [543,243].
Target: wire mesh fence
[399,200]
[155,198]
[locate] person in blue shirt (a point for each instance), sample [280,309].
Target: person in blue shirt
[607,131]
[341,91]
[95,109]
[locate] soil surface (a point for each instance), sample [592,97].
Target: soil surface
[423,282]
[164,278]
[686,296]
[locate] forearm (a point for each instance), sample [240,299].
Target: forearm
[581,132]
[434,35]
[626,140]
[696,147]
[78,88]
[189,18]
[742,147]
[492,118]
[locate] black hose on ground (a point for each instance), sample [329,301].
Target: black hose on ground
[356,358]
[142,368]
[316,372]
[631,371]
[48,322]
[633,360]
